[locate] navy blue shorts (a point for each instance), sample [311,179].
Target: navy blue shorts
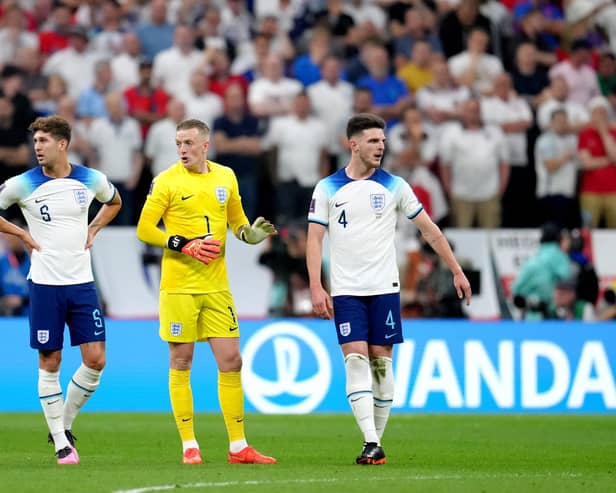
[375,319]
[76,305]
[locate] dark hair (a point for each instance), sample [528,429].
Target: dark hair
[363,121]
[580,44]
[556,112]
[550,233]
[56,126]
[193,123]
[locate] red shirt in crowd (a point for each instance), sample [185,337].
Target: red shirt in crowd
[598,180]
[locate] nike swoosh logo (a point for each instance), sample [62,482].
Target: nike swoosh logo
[231,329]
[186,419]
[338,204]
[37,201]
[186,197]
[98,332]
[239,420]
[389,336]
[49,403]
[355,400]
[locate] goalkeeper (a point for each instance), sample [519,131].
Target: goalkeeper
[196,200]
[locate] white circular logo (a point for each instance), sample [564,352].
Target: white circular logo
[301,365]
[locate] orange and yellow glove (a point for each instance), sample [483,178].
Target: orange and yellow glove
[204,249]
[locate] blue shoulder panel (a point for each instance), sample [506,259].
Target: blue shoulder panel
[386,179]
[84,175]
[335,182]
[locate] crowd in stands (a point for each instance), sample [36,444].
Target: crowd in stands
[500,113]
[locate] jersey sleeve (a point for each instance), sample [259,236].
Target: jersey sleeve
[155,205]
[103,189]
[11,191]
[318,211]
[235,211]
[407,200]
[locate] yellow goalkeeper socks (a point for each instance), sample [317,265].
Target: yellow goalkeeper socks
[182,403]
[231,397]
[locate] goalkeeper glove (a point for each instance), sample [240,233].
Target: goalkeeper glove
[204,249]
[257,231]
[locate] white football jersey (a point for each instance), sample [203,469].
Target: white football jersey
[360,216]
[56,210]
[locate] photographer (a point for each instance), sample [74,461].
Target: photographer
[533,288]
[566,305]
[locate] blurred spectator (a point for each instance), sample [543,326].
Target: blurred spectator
[307,67]
[125,65]
[79,149]
[14,269]
[143,102]
[475,169]
[606,72]
[34,83]
[116,140]
[280,43]
[369,19]
[412,149]
[334,19]
[285,255]
[91,102]
[109,38]
[415,29]
[597,145]
[220,74]
[160,147]
[566,306]
[236,22]
[285,10]
[557,96]
[75,63]
[209,33]
[14,144]
[475,68]
[54,35]
[513,115]
[200,103]
[173,67]
[50,96]
[389,94]
[331,99]
[11,79]
[607,306]
[557,164]
[579,74]
[273,93]
[531,24]
[533,288]
[441,101]
[529,77]
[362,103]
[455,27]
[417,72]
[13,34]
[237,139]
[157,34]
[301,142]
[252,57]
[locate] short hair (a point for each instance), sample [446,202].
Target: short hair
[363,121]
[193,123]
[56,126]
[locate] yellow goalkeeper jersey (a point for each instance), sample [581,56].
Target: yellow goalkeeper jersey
[191,205]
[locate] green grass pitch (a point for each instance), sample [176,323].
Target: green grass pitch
[141,453]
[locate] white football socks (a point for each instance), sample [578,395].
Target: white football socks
[383,391]
[81,387]
[50,395]
[359,394]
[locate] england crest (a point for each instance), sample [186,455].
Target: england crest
[345,329]
[81,197]
[42,336]
[221,194]
[176,329]
[377,202]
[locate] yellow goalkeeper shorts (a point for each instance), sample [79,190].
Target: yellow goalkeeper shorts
[197,317]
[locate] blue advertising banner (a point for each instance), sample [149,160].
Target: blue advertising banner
[295,366]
